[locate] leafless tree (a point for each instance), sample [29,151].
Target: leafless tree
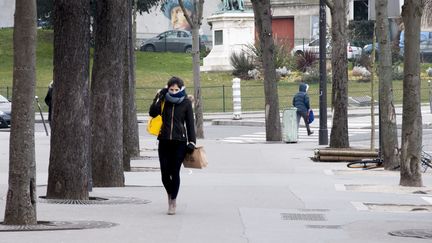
[70,138]
[130,123]
[389,141]
[107,93]
[339,132]
[21,195]
[411,116]
[195,21]
[263,25]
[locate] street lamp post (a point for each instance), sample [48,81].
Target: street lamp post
[323,132]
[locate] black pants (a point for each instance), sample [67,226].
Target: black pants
[171,156]
[303,114]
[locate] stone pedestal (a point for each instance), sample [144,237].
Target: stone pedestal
[232,31]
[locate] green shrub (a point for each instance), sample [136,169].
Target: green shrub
[281,55]
[242,63]
[398,73]
[364,60]
[306,60]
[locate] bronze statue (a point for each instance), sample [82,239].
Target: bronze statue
[232,5]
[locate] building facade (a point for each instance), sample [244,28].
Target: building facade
[7,10]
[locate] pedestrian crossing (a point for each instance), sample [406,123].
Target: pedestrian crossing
[260,137]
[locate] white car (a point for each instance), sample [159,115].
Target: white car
[313,46]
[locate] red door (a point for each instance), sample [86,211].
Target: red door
[283,31]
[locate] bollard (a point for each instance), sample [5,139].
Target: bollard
[236,99]
[430,96]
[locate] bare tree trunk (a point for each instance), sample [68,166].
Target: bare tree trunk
[339,132]
[130,122]
[388,129]
[199,118]
[107,93]
[372,89]
[70,139]
[411,115]
[21,196]
[263,25]
[195,22]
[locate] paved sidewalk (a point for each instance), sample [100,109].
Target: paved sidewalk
[255,193]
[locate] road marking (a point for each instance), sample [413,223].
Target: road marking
[340,187]
[260,137]
[329,172]
[427,199]
[360,206]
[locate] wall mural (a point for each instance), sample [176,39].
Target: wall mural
[174,13]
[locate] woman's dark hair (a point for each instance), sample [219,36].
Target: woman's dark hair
[175,80]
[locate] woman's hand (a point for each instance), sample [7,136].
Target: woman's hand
[162,93]
[190,148]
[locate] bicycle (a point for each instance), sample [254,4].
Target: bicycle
[367,164]
[426,161]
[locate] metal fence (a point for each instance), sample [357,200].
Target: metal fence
[220,99]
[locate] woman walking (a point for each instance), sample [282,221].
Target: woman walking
[176,137]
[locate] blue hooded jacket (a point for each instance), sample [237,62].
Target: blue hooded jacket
[301,99]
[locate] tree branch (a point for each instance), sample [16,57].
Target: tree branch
[200,11]
[427,13]
[329,4]
[189,20]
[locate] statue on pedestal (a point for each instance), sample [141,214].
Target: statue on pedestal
[233,5]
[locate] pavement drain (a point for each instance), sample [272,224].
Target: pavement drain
[303,217]
[413,233]
[95,201]
[144,169]
[324,226]
[57,225]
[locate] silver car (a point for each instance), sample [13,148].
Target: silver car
[5,112]
[172,40]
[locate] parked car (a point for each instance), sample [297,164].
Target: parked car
[425,45]
[352,51]
[5,112]
[172,40]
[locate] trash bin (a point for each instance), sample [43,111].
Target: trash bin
[289,125]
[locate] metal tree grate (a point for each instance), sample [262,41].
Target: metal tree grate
[413,233]
[303,216]
[57,225]
[96,201]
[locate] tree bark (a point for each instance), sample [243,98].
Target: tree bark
[21,196]
[387,115]
[130,122]
[199,117]
[411,115]
[263,27]
[70,139]
[339,132]
[195,22]
[107,93]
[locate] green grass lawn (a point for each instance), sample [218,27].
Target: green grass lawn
[154,69]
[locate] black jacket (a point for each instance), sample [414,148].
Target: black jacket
[174,119]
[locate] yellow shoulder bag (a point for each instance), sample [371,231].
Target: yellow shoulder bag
[154,125]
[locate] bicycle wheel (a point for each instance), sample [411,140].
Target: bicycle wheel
[426,162]
[365,164]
